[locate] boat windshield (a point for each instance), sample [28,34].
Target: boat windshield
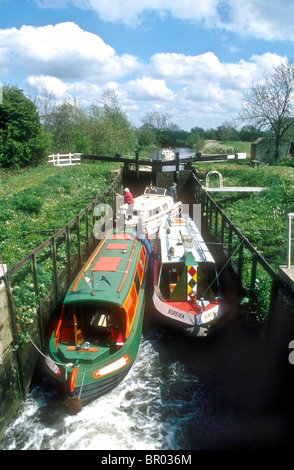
[155,190]
[94,323]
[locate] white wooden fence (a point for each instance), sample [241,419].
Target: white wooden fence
[65,159]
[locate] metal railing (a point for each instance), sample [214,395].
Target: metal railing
[253,272]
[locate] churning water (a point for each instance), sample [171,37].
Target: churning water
[181,394]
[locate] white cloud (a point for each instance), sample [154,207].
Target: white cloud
[267,19]
[72,62]
[147,89]
[51,84]
[207,68]
[64,50]
[130,12]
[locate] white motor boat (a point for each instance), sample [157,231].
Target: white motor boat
[151,207]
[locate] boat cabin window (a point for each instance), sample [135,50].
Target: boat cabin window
[95,323]
[153,212]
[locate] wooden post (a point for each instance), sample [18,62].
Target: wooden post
[253,272]
[78,238]
[240,263]
[87,225]
[54,266]
[36,288]
[216,222]
[230,241]
[137,165]
[177,161]
[67,237]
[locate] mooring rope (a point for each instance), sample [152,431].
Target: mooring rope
[69,364]
[224,266]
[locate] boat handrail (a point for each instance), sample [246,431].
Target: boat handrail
[195,242]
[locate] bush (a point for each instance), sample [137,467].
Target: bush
[27,202]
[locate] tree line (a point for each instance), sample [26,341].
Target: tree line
[32,127]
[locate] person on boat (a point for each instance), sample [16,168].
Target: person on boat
[129,200]
[128,197]
[142,234]
[172,191]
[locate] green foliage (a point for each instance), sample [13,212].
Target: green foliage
[22,140]
[261,217]
[27,202]
[34,202]
[102,129]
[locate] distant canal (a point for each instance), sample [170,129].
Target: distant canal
[182,394]
[183,153]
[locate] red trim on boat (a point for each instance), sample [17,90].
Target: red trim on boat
[73,379]
[107,263]
[116,246]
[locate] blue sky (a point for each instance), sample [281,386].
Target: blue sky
[190,59]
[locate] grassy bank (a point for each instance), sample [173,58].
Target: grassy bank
[34,202]
[261,217]
[215,147]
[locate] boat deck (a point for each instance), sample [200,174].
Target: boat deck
[70,353]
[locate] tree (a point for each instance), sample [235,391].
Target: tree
[68,123]
[110,131]
[226,131]
[157,122]
[269,104]
[146,137]
[22,140]
[249,133]
[197,138]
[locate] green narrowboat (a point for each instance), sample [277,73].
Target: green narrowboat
[95,340]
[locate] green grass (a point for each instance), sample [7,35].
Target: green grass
[44,198]
[215,147]
[261,217]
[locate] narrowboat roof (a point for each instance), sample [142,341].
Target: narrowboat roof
[108,273]
[181,241]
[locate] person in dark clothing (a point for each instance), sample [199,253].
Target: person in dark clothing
[172,191]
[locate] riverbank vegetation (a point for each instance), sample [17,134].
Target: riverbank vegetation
[260,216]
[36,202]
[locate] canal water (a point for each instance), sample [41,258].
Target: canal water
[181,394]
